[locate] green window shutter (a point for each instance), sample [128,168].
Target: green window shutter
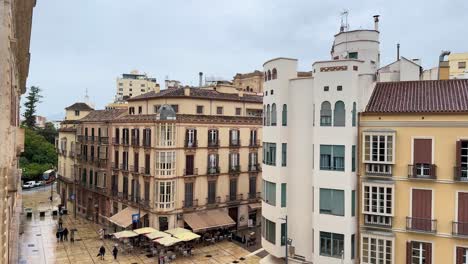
[283,195]
[353,158]
[338,151]
[283,234]
[284,154]
[338,202]
[353,203]
[325,201]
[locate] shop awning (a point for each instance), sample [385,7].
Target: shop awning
[210,219]
[144,230]
[167,241]
[125,234]
[124,217]
[255,206]
[177,230]
[187,236]
[156,235]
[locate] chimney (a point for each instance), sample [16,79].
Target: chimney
[200,74]
[398,51]
[376,22]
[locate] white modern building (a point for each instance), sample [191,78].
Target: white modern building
[133,84]
[309,144]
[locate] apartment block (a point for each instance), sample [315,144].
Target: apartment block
[413,173]
[134,84]
[182,157]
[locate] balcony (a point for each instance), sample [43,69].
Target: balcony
[189,204]
[234,198]
[254,143]
[191,172]
[103,140]
[191,144]
[125,141]
[91,138]
[234,169]
[213,143]
[135,142]
[422,225]
[212,171]
[378,221]
[145,171]
[422,171]
[460,174]
[213,201]
[234,143]
[147,144]
[255,167]
[114,166]
[134,169]
[378,170]
[255,196]
[102,163]
[124,167]
[460,229]
[115,141]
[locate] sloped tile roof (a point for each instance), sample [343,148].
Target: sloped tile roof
[198,93]
[103,115]
[79,106]
[439,96]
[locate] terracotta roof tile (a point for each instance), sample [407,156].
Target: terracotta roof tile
[103,115]
[198,93]
[440,96]
[79,106]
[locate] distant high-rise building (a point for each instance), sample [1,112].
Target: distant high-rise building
[133,84]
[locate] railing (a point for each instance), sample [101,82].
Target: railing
[234,169]
[125,141]
[114,166]
[213,200]
[190,204]
[422,171]
[379,170]
[191,144]
[255,167]
[124,167]
[460,229]
[191,172]
[421,225]
[212,170]
[234,198]
[103,140]
[460,174]
[134,169]
[234,143]
[91,138]
[255,196]
[115,141]
[102,163]
[213,143]
[135,142]
[80,138]
[254,143]
[146,144]
[145,171]
[378,220]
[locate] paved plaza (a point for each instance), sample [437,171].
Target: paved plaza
[38,243]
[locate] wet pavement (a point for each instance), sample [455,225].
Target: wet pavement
[38,244]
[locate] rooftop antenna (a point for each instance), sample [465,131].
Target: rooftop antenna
[344,20]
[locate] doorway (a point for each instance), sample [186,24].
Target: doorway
[234,214]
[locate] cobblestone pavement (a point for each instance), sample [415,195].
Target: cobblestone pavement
[38,243]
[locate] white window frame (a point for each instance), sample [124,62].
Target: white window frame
[370,185]
[377,238]
[378,134]
[166,133]
[165,163]
[165,197]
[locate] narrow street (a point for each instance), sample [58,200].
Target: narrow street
[38,243]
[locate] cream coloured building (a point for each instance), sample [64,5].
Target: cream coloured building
[15,34]
[458,63]
[134,84]
[179,157]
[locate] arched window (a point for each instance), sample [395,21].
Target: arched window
[264,115]
[325,114]
[274,74]
[269,75]
[354,114]
[273,114]
[339,114]
[284,115]
[268,116]
[265,75]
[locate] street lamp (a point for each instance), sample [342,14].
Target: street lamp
[287,240]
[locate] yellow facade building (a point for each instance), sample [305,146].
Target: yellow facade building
[413,173]
[458,63]
[134,84]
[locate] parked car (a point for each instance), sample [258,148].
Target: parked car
[29,184]
[39,183]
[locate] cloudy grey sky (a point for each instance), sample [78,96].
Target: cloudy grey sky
[87,43]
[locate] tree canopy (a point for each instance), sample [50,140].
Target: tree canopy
[33,98]
[39,155]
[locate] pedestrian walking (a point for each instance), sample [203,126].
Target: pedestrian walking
[60,222]
[61,235]
[115,251]
[65,234]
[57,234]
[102,252]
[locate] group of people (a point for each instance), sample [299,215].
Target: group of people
[102,252]
[62,233]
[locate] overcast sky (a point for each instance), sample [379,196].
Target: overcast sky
[88,43]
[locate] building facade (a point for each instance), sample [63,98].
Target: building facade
[249,82]
[177,157]
[309,143]
[15,34]
[413,169]
[458,63]
[134,84]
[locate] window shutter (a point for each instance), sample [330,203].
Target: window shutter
[458,157]
[428,253]
[217,160]
[460,252]
[194,136]
[422,151]
[230,160]
[186,135]
[238,159]
[230,136]
[408,252]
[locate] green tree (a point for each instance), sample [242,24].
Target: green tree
[48,132]
[33,98]
[39,155]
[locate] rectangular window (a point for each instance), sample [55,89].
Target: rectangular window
[211,192]
[353,55]
[422,159]
[332,157]
[353,158]
[252,187]
[461,155]
[238,111]
[269,153]
[332,202]
[199,109]
[339,88]
[147,164]
[331,244]
[283,195]
[377,204]
[353,246]
[421,253]
[461,64]
[376,249]
[283,154]
[378,148]
[219,110]
[156,108]
[269,230]
[188,202]
[269,192]
[283,234]
[353,203]
[175,108]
